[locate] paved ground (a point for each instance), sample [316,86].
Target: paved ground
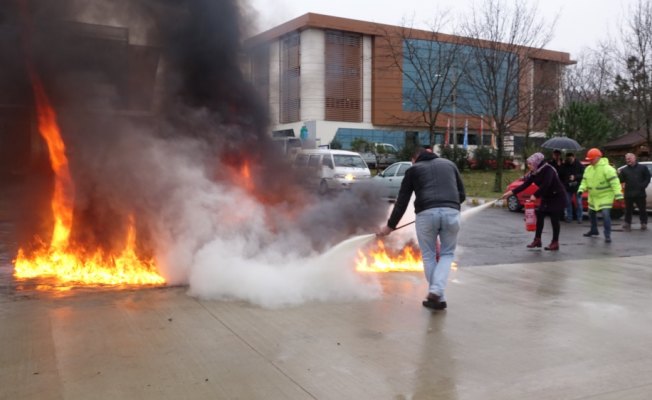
[571,330]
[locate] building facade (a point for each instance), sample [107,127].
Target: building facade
[339,79]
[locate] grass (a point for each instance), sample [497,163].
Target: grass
[481,183]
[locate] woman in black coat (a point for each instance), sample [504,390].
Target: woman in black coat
[552,194]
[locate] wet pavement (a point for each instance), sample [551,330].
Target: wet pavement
[537,325]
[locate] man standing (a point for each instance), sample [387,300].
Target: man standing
[556,160]
[636,177]
[601,181]
[439,192]
[570,174]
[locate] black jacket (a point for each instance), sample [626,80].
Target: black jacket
[575,169]
[636,179]
[436,183]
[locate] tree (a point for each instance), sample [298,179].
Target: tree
[430,64]
[504,43]
[635,80]
[583,122]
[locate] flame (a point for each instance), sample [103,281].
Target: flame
[245,172]
[61,260]
[379,260]
[382,260]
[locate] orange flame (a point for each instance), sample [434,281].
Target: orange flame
[246,174]
[61,260]
[382,260]
[408,259]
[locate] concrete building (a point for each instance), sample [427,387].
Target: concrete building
[338,79]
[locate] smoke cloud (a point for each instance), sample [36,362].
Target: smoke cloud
[159,123]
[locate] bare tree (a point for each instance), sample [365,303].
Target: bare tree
[591,79]
[430,64]
[635,80]
[504,43]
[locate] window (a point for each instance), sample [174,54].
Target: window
[402,168]
[416,84]
[301,160]
[314,160]
[343,76]
[352,161]
[290,85]
[391,171]
[327,161]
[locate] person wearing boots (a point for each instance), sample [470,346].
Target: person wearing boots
[636,177]
[601,181]
[552,194]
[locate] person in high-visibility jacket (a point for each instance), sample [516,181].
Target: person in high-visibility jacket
[601,181]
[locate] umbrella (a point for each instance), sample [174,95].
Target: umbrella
[561,143]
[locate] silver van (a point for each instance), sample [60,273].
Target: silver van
[332,169]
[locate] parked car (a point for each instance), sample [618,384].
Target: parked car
[516,203]
[332,169]
[648,190]
[389,180]
[380,155]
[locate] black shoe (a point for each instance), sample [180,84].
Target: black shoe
[607,240]
[433,302]
[590,233]
[441,305]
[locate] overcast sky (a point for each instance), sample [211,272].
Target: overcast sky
[580,23]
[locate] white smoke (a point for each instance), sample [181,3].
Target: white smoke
[215,237]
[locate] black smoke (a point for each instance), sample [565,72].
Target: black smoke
[151,96]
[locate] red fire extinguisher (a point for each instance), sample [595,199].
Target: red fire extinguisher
[530,216]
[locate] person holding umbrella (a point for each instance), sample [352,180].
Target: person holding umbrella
[552,194]
[570,174]
[603,185]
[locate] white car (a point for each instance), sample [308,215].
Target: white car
[648,190]
[389,181]
[332,169]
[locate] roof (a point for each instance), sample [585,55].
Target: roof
[627,140]
[321,21]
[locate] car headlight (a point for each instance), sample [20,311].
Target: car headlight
[346,177]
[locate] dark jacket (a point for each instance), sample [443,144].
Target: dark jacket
[575,169]
[636,179]
[556,164]
[436,183]
[551,191]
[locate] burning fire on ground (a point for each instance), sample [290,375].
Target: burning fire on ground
[62,260]
[381,259]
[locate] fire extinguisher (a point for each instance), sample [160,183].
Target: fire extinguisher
[530,216]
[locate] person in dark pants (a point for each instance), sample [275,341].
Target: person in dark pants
[570,174]
[552,194]
[439,193]
[636,177]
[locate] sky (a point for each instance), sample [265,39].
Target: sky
[580,23]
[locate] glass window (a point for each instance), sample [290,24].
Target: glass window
[327,161]
[301,160]
[314,160]
[342,160]
[402,168]
[391,171]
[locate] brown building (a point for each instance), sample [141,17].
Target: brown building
[633,142]
[343,79]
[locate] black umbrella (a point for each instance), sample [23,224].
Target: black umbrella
[561,143]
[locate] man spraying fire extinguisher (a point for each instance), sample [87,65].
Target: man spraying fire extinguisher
[552,194]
